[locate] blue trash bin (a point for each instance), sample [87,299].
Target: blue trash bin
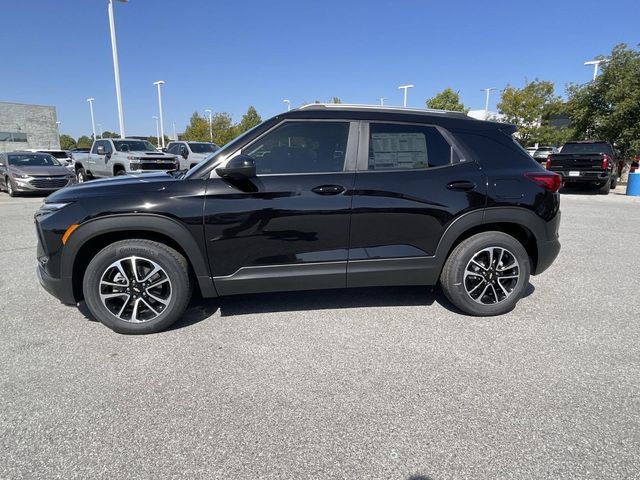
[633,184]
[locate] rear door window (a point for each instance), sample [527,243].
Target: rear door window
[407,147]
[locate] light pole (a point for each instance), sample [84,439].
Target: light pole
[100,130]
[175,137]
[288,102]
[93,122]
[116,70]
[596,65]
[157,129]
[58,128]
[382,99]
[405,88]
[159,83]
[486,101]
[210,123]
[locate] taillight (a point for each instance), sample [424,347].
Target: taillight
[550,181]
[548,164]
[605,161]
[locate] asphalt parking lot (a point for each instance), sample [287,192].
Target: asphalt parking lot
[371,383]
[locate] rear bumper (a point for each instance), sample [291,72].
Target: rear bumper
[592,177]
[547,253]
[60,288]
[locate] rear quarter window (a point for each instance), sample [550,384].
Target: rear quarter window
[494,148]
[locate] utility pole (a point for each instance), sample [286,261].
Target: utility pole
[116,70]
[93,122]
[596,66]
[210,123]
[382,99]
[405,88]
[486,101]
[159,83]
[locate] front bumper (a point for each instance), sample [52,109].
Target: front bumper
[36,184]
[61,288]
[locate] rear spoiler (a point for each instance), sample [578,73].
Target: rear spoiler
[508,129]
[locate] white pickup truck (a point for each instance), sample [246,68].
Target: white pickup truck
[110,157]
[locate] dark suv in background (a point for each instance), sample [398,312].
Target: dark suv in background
[322,197]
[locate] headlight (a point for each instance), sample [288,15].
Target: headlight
[53,207]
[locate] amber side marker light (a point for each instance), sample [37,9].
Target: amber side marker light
[68,232]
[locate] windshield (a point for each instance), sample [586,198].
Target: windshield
[594,148]
[203,147]
[33,160]
[133,146]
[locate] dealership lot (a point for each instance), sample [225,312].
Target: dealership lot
[371,383]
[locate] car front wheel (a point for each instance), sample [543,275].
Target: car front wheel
[137,286]
[486,274]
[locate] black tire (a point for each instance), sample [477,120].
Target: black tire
[605,188]
[120,172]
[614,182]
[81,175]
[11,188]
[173,265]
[452,279]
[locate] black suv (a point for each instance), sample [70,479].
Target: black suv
[322,197]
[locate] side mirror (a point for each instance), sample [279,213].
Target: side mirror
[100,150]
[184,154]
[240,167]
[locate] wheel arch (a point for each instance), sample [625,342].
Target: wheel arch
[524,225]
[118,167]
[94,235]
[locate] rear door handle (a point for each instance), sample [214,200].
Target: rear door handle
[461,186]
[328,189]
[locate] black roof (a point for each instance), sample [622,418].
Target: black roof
[445,118]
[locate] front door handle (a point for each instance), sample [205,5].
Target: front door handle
[328,189]
[461,186]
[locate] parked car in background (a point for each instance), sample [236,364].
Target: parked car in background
[321,197]
[542,152]
[587,162]
[63,156]
[531,150]
[191,153]
[110,157]
[32,172]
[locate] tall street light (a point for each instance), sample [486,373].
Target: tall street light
[382,99]
[405,88]
[116,70]
[99,129]
[288,102]
[93,122]
[596,65]
[157,129]
[486,101]
[158,84]
[208,111]
[58,128]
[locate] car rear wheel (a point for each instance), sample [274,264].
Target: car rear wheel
[81,175]
[605,188]
[486,274]
[11,188]
[614,182]
[137,286]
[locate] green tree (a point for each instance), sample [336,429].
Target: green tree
[197,130]
[529,109]
[608,108]
[108,134]
[446,100]
[223,128]
[154,140]
[84,142]
[335,100]
[249,120]
[67,142]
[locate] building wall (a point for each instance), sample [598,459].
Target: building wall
[37,122]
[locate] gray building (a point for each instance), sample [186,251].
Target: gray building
[27,126]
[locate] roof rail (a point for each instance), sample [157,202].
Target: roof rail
[356,106]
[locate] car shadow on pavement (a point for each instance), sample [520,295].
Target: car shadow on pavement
[202,308]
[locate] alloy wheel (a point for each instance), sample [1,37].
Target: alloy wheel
[491,275]
[135,289]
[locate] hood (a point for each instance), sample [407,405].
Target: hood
[114,186]
[39,170]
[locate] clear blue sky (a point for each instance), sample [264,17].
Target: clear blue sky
[228,55]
